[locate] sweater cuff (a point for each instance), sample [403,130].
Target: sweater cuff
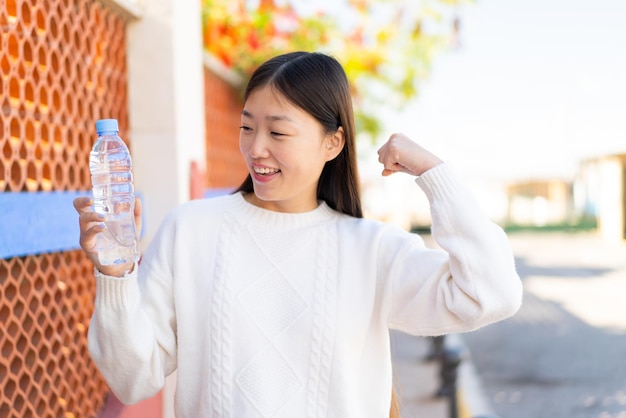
[117,292]
[440,182]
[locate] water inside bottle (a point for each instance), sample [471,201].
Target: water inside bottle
[118,242]
[121,229]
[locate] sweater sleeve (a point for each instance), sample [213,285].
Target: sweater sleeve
[132,334]
[468,283]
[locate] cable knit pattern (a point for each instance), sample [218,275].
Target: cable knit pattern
[323,325]
[221,341]
[280,315]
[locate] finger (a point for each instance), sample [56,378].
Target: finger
[88,238]
[83,203]
[393,168]
[390,169]
[138,206]
[138,217]
[382,153]
[86,218]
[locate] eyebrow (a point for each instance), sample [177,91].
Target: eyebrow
[271,117]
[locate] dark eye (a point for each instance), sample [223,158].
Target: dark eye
[245,128]
[274,133]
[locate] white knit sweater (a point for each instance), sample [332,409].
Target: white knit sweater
[267,314]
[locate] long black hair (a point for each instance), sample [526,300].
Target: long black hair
[317,83]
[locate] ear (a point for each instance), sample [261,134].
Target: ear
[334,143]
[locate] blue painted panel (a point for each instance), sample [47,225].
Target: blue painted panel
[33,223]
[209,193]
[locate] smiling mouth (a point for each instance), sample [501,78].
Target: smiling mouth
[265,171]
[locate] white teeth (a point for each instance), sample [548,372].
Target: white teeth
[265,170]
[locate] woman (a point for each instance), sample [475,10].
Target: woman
[277,300]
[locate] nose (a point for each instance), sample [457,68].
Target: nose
[257,146]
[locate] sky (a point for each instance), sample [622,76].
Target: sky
[536,87]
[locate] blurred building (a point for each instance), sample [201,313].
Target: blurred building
[600,191]
[540,203]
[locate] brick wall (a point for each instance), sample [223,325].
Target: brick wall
[225,167]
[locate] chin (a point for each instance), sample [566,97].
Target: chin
[265,196]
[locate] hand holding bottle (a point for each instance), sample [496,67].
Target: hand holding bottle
[91,224]
[109,222]
[111,170]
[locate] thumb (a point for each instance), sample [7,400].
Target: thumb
[138,215]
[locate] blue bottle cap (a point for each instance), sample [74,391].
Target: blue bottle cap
[107,125]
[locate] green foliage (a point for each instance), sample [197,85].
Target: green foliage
[386,50]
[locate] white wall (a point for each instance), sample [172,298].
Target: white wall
[610,220]
[166,110]
[166,103]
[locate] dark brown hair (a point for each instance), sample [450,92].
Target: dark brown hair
[317,84]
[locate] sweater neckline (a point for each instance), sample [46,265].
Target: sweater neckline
[261,216]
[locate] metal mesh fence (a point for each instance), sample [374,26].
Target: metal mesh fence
[45,369]
[62,66]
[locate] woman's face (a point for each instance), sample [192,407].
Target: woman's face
[285,149]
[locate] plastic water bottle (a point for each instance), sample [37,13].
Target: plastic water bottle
[114,197]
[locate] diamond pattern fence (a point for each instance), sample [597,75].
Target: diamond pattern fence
[62,67]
